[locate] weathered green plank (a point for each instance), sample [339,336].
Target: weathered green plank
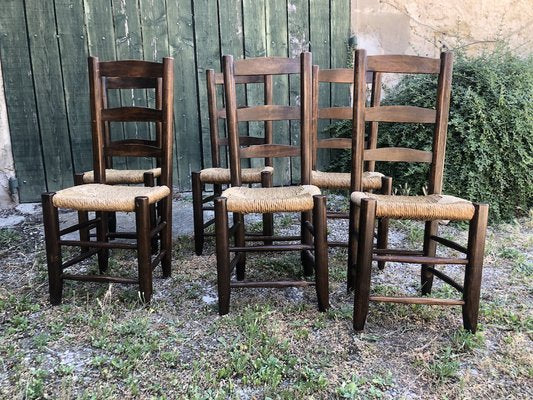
[276,40]
[129,46]
[298,18]
[20,99]
[320,46]
[181,47]
[73,48]
[207,56]
[101,43]
[49,94]
[340,33]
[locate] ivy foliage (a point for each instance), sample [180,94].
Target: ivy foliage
[489,153]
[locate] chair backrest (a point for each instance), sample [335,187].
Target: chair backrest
[270,112]
[340,76]
[217,113]
[131,74]
[442,67]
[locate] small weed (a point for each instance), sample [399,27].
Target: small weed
[445,365]
[465,341]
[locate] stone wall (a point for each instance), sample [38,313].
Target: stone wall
[423,27]
[7,167]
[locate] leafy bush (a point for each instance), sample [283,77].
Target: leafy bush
[489,154]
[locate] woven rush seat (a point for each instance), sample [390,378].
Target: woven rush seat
[341,180]
[267,200]
[124,176]
[431,207]
[223,175]
[100,197]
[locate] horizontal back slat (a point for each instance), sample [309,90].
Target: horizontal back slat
[131,83]
[267,66]
[398,154]
[339,75]
[268,113]
[335,112]
[131,150]
[270,150]
[409,114]
[219,78]
[131,68]
[243,140]
[128,114]
[335,143]
[403,64]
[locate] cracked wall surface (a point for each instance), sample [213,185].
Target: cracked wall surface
[424,27]
[7,167]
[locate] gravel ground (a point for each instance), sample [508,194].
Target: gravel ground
[103,343]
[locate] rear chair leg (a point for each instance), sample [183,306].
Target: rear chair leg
[430,249]
[240,242]
[53,248]
[149,181]
[223,255]
[101,236]
[383,223]
[473,271]
[364,263]
[166,235]
[198,213]
[83,216]
[352,245]
[306,238]
[321,251]
[268,219]
[142,219]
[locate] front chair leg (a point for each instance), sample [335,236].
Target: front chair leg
[321,251]
[223,256]
[149,181]
[364,263]
[144,251]
[238,219]
[476,249]
[53,248]
[268,218]
[198,213]
[353,229]
[383,223]
[306,238]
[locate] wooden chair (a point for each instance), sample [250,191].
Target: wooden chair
[372,180]
[219,176]
[305,199]
[366,207]
[103,198]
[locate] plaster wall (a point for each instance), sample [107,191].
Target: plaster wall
[7,167]
[424,27]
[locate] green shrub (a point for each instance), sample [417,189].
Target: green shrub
[489,154]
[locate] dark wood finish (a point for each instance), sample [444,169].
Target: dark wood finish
[383,225]
[223,255]
[267,66]
[405,114]
[268,218]
[417,300]
[131,83]
[142,221]
[100,278]
[270,150]
[404,64]
[321,251]
[445,278]
[125,114]
[131,69]
[268,113]
[271,284]
[198,213]
[449,243]
[421,259]
[53,248]
[430,249]
[398,154]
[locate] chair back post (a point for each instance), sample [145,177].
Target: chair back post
[314,127]
[358,124]
[213,117]
[166,125]
[306,105]
[268,98]
[97,125]
[441,123]
[231,118]
[375,100]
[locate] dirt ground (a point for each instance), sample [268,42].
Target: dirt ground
[102,343]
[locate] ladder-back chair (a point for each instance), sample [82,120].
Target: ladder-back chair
[219,176]
[305,199]
[372,181]
[103,198]
[366,207]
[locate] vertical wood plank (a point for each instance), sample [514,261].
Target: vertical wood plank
[340,33]
[73,49]
[298,19]
[101,44]
[320,47]
[129,46]
[276,45]
[49,94]
[187,131]
[207,56]
[20,101]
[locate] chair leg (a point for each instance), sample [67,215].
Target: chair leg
[198,213]
[166,236]
[83,216]
[473,271]
[223,256]
[321,251]
[240,268]
[268,218]
[383,223]
[101,236]
[112,222]
[149,181]
[306,238]
[53,248]
[430,249]
[364,263]
[142,219]
[352,245]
